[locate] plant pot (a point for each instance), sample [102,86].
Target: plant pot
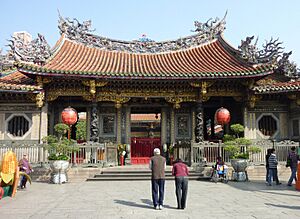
[59,171]
[239,165]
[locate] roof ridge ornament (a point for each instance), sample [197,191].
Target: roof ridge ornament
[287,67]
[6,62]
[73,28]
[36,51]
[269,54]
[211,28]
[81,32]
[272,53]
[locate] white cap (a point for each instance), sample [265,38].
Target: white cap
[156,151]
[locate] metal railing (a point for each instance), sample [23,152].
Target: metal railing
[93,153]
[36,153]
[210,151]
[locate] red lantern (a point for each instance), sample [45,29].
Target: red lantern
[69,116]
[222,116]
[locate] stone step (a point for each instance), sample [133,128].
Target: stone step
[135,174]
[140,178]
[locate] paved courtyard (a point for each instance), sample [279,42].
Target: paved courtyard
[132,199]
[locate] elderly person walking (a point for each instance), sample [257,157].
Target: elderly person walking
[157,165]
[181,172]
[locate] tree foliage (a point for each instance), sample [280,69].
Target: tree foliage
[59,147]
[236,146]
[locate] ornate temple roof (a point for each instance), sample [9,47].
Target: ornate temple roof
[17,81]
[209,60]
[204,55]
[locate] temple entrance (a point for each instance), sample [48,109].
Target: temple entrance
[145,136]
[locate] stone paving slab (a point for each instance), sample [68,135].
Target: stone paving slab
[132,199]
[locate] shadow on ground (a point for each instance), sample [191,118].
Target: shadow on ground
[145,203]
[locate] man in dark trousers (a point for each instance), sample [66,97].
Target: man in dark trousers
[293,158]
[157,165]
[181,172]
[273,168]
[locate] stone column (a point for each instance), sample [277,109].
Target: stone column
[128,126]
[94,124]
[163,128]
[119,125]
[199,123]
[172,131]
[43,122]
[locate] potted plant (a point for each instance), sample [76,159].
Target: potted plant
[239,149]
[81,131]
[59,148]
[171,153]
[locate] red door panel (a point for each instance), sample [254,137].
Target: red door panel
[142,149]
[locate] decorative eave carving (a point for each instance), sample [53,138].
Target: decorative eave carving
[42,80]
[177,100]
[249,83]
[203,85]
[93,84]
[253,99]
[292,96]
[81,32]
[38,98]
[37,51]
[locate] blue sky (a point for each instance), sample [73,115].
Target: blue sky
[158,19]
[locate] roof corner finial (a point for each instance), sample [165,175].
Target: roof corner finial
[211,28]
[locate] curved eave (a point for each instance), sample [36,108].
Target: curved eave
[17,82]
[96,75]
[284,87]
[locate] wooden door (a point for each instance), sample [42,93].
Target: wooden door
[142,149]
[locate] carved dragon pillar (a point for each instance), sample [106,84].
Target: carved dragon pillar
[199,122]
[202,89]
[94,124]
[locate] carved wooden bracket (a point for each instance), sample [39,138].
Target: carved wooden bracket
[42,80]
[40,97]
[253,99]
[203,85]
[93,84]
[175,101]
[249,83]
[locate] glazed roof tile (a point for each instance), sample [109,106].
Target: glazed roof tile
[18,82]
[280,87]
[210,60]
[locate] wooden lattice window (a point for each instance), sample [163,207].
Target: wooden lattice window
[267,125]
[18,126]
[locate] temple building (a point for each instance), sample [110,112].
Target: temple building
[146,93]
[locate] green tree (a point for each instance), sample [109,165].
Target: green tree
[59,146]
[81,130]
[234,143]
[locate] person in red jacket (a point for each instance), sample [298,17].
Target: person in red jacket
[181,172]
